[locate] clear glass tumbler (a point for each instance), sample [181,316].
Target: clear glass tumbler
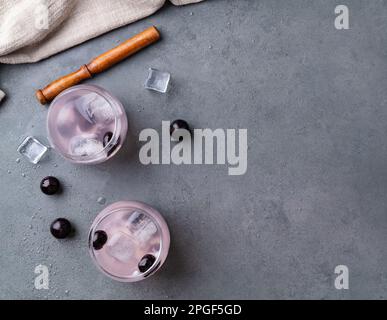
[129,241]
[86,124]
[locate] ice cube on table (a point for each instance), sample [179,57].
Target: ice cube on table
[32,149]
[85,146]
[121,247]
[157,80]
[94,108]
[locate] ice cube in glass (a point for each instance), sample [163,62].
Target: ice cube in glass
[121,247]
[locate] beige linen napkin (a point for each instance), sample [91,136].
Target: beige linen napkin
[31,30]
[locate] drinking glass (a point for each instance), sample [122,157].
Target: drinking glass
[129,241]
[86,124]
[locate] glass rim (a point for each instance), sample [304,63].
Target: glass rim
[113,103]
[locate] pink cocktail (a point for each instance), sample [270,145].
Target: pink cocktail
[129,241]
[86,124]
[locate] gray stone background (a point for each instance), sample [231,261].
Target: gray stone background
[314,101]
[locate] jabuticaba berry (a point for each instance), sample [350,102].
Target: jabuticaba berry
[178,124]
[50,185]
[106,140]
[99,239]
[61,228]
[146,263]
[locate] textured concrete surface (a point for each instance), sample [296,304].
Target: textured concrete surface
[314,101]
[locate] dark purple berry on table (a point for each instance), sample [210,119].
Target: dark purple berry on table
[99,239]
[50,185]
[146,263]
[178,124]
[106,140]
[61,228]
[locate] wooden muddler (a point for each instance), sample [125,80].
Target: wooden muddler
[99,64]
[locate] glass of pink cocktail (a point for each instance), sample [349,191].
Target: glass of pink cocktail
[86,124]
[129,241]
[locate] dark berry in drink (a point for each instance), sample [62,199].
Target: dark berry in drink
[99,239]
[50,185]
[61,228]
[146,263]
[178,124]
[106,140]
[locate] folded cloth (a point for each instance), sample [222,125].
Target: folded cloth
[31,30]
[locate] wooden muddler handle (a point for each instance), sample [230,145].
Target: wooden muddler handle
[99,64]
